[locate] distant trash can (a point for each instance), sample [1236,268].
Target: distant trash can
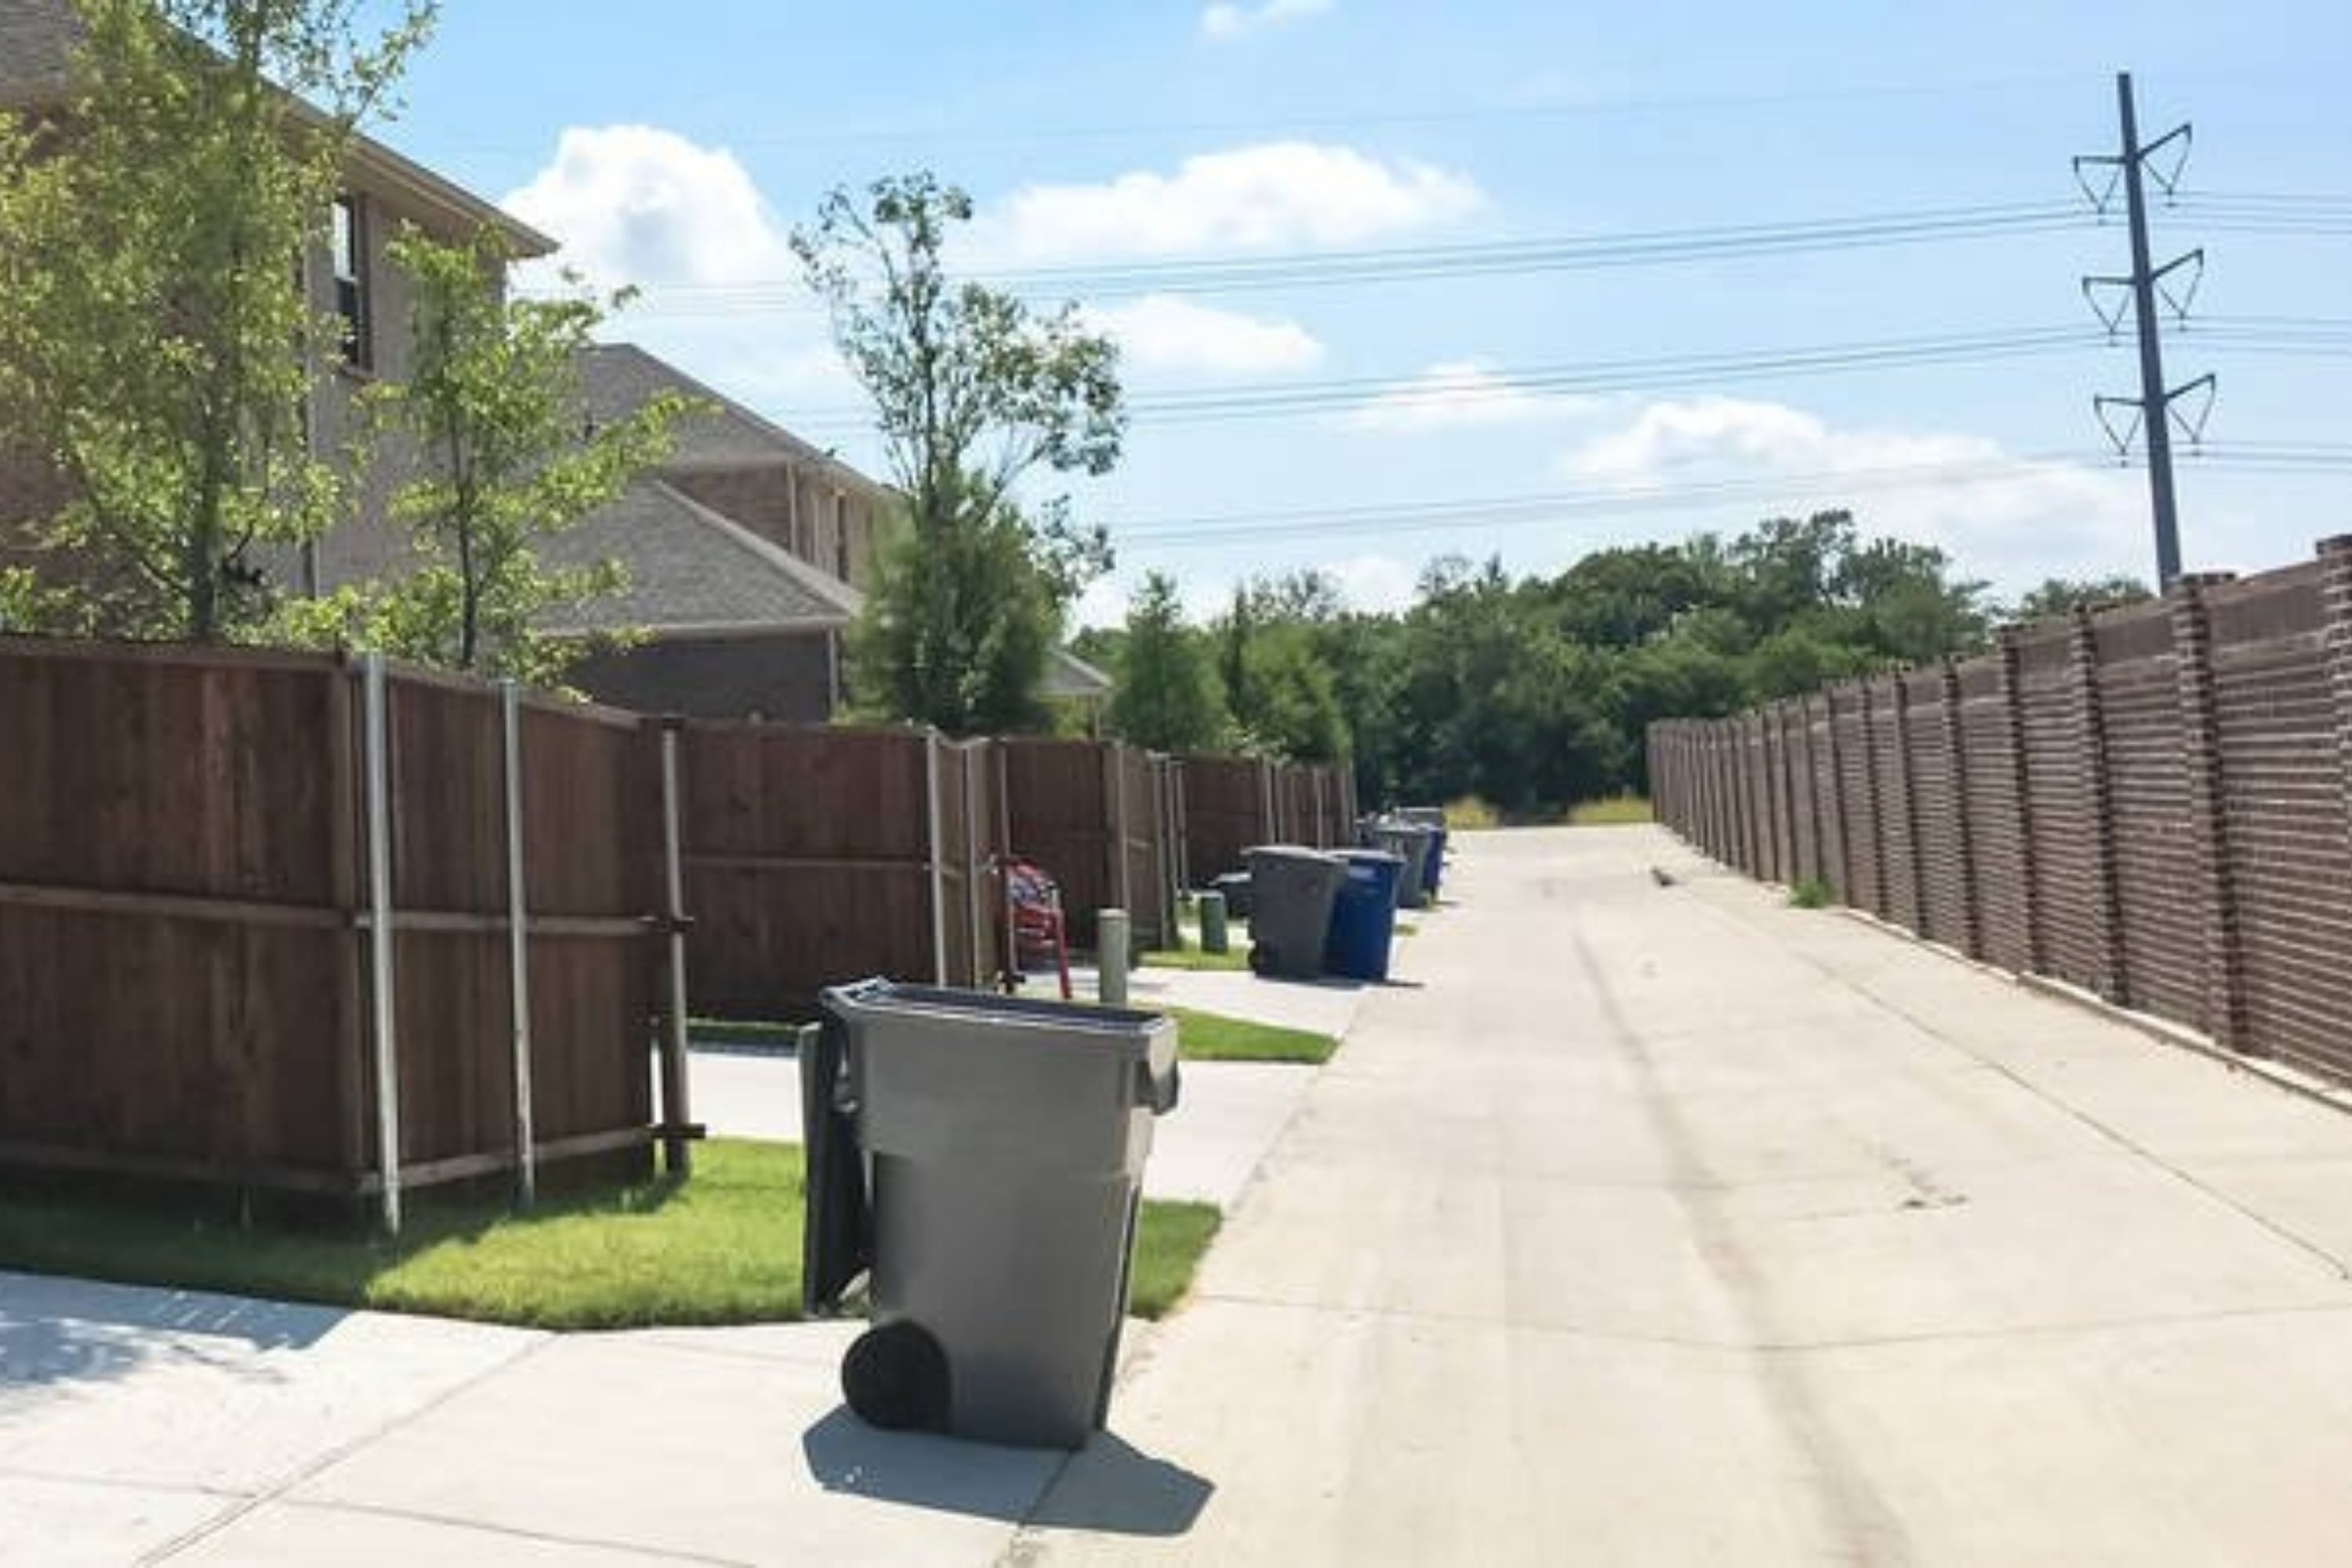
[1416,844]
[980,1159]
[1433,818]
[1292,890]
[1235,886]
[1363,916]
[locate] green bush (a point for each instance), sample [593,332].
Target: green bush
[1811,893]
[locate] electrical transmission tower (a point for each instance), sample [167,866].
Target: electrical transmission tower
[2156,410]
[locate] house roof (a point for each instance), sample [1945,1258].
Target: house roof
[692,571]
[36,41]
[1068,675]
[621,378]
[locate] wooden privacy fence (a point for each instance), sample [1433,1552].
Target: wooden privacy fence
[1233,803]
[818,856]
[1104,820]
[2153,803]
[290,923]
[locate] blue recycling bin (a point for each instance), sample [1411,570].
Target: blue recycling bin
[1364,917]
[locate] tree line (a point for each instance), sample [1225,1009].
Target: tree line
[1533,693]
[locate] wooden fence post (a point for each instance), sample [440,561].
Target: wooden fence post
[1964,839]
[2091,736]
[2008,662]
[2224,991]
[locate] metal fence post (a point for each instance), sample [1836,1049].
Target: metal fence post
[677,1149]
[975,864]
[933,848]
[518,946]
[376,726]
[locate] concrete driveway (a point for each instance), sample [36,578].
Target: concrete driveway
[1670,1226]
[1661,1225]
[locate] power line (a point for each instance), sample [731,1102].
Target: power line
[1533,509]
[1329,268]
[1377,397]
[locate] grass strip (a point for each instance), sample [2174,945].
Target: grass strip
[1617,811]
[1214,1037]
[724,1248]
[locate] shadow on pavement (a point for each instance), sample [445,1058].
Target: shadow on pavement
[1109,1487]
[63,1331]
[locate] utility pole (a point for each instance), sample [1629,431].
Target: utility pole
[2152,410]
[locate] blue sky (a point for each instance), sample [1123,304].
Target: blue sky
[674,147]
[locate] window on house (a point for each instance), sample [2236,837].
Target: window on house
[841,536]
[347,245]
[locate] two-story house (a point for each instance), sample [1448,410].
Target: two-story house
[748,551]
[352,275]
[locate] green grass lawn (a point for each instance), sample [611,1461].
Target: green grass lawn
[1213,1037]
[724,1248]
[1237,958]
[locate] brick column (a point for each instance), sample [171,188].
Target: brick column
[2091,735]
[1879,902]
[1914,845]
[1835,809]
[1963,841]
[2008,657]
[2224,991]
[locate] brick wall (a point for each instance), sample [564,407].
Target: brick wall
[2154,804]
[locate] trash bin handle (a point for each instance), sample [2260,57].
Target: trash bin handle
[1151,1089]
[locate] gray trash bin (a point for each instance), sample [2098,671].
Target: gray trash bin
[1291,893]
[1416,844]
[980,1159]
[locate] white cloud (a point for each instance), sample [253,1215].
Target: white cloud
[635,204]
[1999,515]
[1376,584]
[1163,333]
[1225,21]
[1277,196]
[1458,395]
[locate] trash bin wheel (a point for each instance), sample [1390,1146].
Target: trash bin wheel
[895,1376]
[1258,958]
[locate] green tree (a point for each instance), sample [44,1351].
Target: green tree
[959,626]
[501,461]
[973,391]
[2057,596]
[1168,698]
[157,342]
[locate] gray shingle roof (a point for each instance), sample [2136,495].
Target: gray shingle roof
[621,378]
[692,570]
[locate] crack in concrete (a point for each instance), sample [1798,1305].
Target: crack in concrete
[1858,1520]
